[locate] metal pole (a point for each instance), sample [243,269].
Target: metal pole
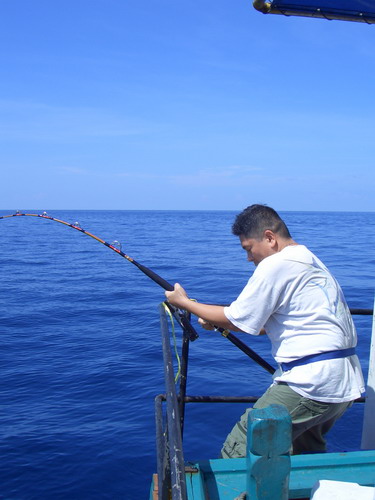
[368,430]
[176,458]
[183,379]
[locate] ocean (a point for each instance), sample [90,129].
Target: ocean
[81,358]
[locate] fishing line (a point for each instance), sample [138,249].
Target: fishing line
[115,246]
[168,312]
[181,318]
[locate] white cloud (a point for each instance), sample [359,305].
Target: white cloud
[35,121]
[216,176]
[233,174]
[76,171]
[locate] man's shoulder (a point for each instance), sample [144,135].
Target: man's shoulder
[289,261]
[291,253]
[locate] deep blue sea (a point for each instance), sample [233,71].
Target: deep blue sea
[81,358]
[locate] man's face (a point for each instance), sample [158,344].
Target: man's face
[257,250]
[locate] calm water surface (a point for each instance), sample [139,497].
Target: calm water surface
[81,356]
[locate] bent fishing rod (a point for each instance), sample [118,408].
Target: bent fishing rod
[182,319]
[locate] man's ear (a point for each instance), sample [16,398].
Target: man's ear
[270,237]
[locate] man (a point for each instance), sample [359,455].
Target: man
[293,298]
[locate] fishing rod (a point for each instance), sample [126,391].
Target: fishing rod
[182,319]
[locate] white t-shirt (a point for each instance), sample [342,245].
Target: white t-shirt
[299,303]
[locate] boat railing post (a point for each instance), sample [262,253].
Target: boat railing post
[368,430]
[175,462]
[269,439]
[162,460]
[183,376]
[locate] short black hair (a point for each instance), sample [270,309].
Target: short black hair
[255,219]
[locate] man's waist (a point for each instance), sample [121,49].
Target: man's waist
[322,356]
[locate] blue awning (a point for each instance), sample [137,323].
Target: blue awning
[346,10]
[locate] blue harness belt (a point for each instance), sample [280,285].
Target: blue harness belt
[311,358]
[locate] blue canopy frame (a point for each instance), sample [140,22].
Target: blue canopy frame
[344,10]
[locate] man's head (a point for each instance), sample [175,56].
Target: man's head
[262,232]
[255,219]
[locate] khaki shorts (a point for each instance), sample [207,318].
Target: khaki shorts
[311,420]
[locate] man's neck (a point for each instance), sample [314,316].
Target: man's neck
[287,242]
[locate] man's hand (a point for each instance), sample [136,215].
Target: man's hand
[205,324]
[178,297]
[210,314]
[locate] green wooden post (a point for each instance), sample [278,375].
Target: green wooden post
[269,438]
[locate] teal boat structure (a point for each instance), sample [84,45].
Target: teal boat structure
[268,472]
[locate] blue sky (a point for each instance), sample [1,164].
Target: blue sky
[182,104]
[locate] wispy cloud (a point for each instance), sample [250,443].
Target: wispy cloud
[76,171]
[35,121]
[218,175]
[231,170]
[232,174]
[215,176]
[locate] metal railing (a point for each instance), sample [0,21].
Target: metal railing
[169,427]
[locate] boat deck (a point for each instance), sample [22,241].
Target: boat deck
[226,478]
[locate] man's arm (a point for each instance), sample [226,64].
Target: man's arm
[210,313]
